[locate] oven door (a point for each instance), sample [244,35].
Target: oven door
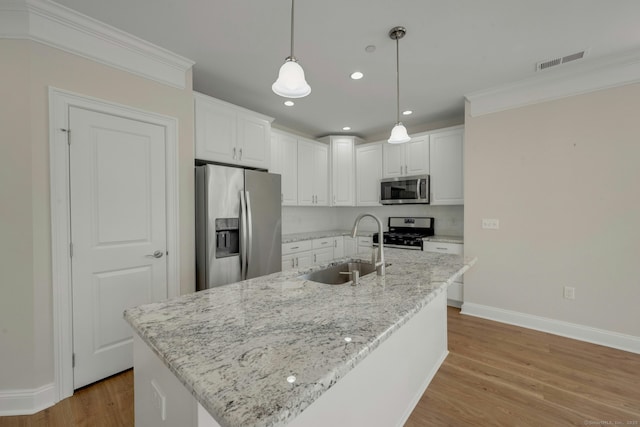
[406,189]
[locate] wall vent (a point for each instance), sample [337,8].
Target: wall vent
[543,65]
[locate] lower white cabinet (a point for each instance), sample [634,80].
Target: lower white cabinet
[306,253]
[455,290]
[338,247]
[364,243]
[350,245]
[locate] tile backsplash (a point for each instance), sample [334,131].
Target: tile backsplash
[449,220]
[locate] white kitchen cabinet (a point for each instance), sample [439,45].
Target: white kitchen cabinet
[411,158]
[455,290]
[284,161]
[338,247]
[313,164]
[350,245]
[365,243]
[297,254]
[447,172]
[342,169]
[230,134]
[368,174]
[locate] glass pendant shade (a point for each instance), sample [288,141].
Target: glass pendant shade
[399,134]
[291,82]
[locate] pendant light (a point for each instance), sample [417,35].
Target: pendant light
[291,82]
[399,132]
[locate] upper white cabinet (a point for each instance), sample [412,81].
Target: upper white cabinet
[368,174]
[411,158]
[284,161]
[446,154]
[227,133]
[343,169]
[313,173]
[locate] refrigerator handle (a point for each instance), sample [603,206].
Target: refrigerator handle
[249,245]
[243,236]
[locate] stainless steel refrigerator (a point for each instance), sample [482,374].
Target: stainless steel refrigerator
[238,225]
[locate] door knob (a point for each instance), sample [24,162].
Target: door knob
[156,254]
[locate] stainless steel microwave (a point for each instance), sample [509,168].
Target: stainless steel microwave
[405,189]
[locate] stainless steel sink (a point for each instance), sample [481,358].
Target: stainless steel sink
[337,274]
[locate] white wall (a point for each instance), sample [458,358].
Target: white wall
[448,219]
[562,177]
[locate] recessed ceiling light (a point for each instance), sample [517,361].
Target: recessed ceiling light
[289,103]
[357,75]
[407,112]
[346,128]
[370,49]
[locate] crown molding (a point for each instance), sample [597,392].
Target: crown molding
[55,25]
[573,79]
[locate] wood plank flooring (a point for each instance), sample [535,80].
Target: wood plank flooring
[495,375]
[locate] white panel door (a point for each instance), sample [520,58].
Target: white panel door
[118,221]
[321,174]
[342,171]
[393,160]
[254,137]
[289,169]
[215,128]
[417,156]
[306,170]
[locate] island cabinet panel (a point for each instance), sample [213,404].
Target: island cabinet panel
[383,389]
[230,134]
[160,399]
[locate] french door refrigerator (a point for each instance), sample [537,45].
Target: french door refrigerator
[238,225]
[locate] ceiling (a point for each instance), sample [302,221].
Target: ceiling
[452,48]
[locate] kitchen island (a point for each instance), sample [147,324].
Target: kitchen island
[278,350]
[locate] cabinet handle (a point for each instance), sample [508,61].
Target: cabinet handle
[295,247]
[234,153]
[335,243]
[297,262]
[293,262]
[334,199]
[314,257]
[406,171]
[442,249]
[240,154]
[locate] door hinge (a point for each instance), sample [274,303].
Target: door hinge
[68,132]
[71,250]
[73,360]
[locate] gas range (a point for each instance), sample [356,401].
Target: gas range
[406,232]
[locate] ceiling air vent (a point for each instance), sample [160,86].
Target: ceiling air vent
[559,61]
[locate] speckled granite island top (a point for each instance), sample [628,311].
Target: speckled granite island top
[233,347]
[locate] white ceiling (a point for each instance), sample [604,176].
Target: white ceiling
[452,48]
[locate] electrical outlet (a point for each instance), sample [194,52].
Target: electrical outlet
[569,292]
[159,401]
[490,223]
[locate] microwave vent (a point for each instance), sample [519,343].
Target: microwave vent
[543,65]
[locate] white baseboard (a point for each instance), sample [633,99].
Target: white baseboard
[557,327]
[26,402]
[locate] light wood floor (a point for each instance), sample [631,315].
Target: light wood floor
[495,375]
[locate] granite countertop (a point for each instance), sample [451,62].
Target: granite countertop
[444,239]
[234,347]
[297,237]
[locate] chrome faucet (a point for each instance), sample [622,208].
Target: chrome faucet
[377,256]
